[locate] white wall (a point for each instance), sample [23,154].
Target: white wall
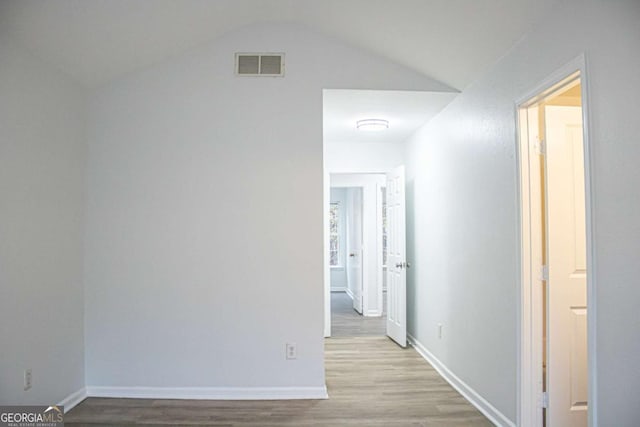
[339,273]
[42,161]
[463,218]
[202,188]
[358,157]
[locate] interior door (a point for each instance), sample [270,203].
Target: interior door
[567,296]
[354,246]
[396,258]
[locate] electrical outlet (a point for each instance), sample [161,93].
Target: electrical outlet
[440,330]
[27,379]
[292,352]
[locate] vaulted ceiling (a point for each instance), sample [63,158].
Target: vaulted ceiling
[98,40]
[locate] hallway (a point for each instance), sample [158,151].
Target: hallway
[346,322]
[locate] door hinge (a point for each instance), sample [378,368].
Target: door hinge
[544,401]
[541,147]
[544,272]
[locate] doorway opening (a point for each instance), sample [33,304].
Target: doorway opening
[356,255]
[367,228]
[350,147]
[556,313]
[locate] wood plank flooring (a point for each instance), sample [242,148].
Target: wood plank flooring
[346,322]
[371,382]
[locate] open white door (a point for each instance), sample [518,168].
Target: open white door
[354,246]
[396,258]
[567,286]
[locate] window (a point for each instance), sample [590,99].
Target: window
[334,238]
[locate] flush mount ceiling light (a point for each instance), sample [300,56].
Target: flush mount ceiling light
[372,124]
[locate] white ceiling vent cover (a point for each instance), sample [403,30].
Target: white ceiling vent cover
[260,64]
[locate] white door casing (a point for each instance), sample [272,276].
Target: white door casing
[531,194]
[396,257]
[354,246]
[567,384]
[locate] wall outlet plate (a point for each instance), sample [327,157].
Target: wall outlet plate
[291,351]
[27,379]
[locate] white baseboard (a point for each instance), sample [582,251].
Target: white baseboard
[339,289]
[73,399]
[373,313]
[494,415]
[348,291]
[210,393]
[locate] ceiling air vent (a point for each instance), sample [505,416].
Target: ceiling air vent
[260,64]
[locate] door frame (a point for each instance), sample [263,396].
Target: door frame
[364,180]
[530,314]
[355,207]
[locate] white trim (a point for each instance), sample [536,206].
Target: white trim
[349,293]
[528,346]
[73,399]
[373,313]
[379,266]
[326,204]
[530,304]
[592,311]
[210,393]
[339,289]
[489,411]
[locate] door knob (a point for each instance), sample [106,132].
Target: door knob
[352,255]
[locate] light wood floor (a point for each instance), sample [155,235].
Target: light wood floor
[371,382]
[346,322]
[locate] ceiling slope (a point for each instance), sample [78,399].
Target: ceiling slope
[98,40]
